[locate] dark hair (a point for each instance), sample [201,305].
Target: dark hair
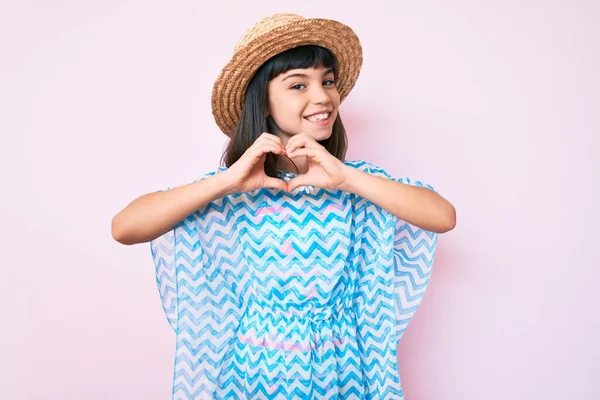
[253,121]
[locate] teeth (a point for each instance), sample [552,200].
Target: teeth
[318,117]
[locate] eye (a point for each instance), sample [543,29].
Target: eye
[296,87]
[332,82]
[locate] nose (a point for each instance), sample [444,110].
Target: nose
[320,95]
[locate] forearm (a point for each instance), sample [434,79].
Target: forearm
[416,205]
[151,215]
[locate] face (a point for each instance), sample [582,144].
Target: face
[303,101]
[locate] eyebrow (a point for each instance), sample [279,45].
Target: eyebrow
[301,75]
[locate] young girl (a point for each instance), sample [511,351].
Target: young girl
[289,273]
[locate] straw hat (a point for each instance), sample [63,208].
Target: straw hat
[271,36]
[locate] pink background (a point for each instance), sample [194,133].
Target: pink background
[495,103]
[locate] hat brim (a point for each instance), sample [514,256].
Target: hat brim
[230,86]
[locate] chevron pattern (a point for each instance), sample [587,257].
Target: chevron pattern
[303,295]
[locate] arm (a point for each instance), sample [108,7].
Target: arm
[153,214]
[418,206]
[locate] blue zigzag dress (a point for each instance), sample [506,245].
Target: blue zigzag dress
[303,295]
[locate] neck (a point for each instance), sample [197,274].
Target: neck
[284,164]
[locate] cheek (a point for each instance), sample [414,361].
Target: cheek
[335,99]
[288,110]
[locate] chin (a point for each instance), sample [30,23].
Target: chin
[325,135]
[320,134]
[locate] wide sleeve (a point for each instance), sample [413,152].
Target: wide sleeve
[414,252]
[413,256]
[165,257]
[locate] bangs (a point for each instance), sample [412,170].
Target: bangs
[301,57]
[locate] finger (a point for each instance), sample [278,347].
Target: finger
[267,135]
[268,139]
[264,148]
[300,180]
[273,148]
[304,141]
[314,153]
[291,141]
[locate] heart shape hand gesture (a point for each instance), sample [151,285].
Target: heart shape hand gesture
[324,170]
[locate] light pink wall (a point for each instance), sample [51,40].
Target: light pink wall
[495,103]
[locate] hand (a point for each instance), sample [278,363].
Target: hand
[248,172]
[324,170]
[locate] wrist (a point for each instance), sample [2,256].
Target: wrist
[227,183]
[349,182]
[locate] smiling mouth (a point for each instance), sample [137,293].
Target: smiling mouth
[318,117]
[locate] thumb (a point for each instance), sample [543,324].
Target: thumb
[276,183]
[297,182]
